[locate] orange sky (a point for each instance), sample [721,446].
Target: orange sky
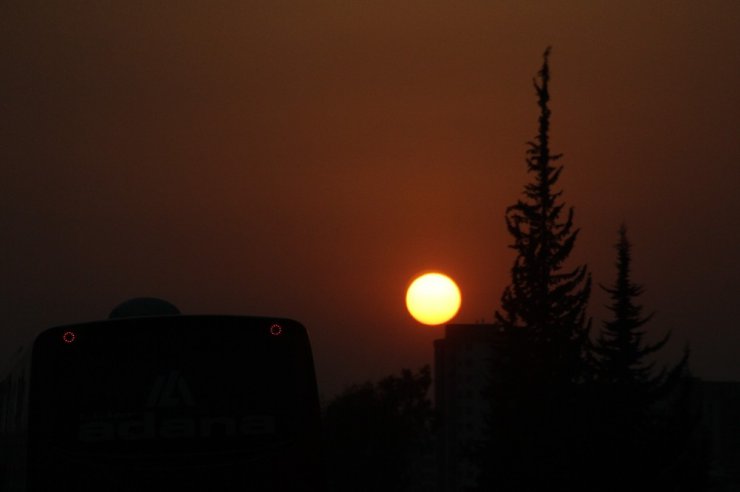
[307,158]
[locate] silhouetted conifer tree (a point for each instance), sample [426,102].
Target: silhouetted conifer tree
[647,426]
[545,303]
[620,348]
[535,438]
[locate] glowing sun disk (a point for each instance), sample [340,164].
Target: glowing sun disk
[433,299]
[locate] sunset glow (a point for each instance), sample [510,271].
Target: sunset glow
[433,299]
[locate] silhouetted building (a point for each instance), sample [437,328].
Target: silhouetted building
[462,375]
[720,407]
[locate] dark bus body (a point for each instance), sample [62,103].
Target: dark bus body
[223,403]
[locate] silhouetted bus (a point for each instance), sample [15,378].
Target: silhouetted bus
[207,403]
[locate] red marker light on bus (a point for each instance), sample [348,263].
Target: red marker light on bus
[69,337]
[276,330]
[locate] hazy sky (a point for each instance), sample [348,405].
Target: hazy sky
[308,158]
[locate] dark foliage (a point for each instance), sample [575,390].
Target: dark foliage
[378,435]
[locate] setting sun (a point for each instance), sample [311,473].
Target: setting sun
[433,299]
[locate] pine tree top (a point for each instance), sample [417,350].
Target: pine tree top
[621,349]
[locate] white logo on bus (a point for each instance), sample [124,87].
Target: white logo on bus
[170,390]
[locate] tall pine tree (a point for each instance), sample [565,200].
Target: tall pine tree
[535,434]
[545,304]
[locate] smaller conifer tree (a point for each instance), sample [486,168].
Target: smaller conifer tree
[640,410]
[621,347]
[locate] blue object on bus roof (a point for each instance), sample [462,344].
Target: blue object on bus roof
[143,306]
